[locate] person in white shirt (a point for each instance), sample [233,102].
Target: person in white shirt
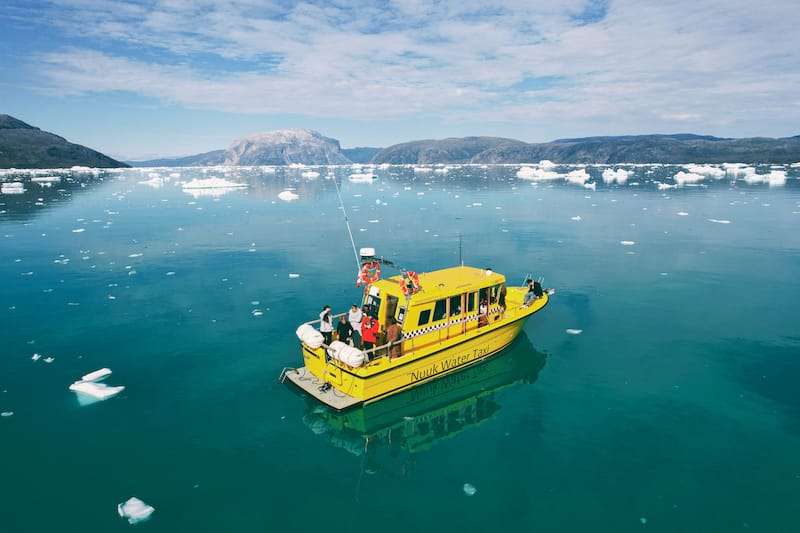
[326,324]
[355,316]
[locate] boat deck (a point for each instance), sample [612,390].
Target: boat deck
[311,385]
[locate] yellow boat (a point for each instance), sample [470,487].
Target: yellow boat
[449,319]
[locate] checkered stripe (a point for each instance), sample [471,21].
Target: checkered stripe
[429,329]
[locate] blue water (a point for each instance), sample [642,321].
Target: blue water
[674,409]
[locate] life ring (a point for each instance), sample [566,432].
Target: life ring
[409,284]
[370,272]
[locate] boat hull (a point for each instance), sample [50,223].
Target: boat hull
[351,387]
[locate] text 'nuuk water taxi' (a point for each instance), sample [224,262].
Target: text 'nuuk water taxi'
[422,326]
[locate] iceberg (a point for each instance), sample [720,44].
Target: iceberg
[97,391]
[97,375]
[212,183]
[135,510]
[288,196]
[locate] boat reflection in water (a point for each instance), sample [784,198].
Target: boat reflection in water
[415,420]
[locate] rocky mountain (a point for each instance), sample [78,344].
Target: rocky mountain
[677,148]
[207,159]
[284,147]
[24,146]
[363,154]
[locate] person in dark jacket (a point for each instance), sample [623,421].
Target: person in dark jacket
[344,329]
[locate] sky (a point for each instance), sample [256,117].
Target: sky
[161,78]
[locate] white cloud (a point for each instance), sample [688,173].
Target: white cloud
[693,65]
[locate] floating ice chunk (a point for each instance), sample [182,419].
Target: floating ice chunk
[79,230]
[578,177]
[14,187]
[775,178]
[537,174]
[627,243]
[619,176]
[546,163]
[572,331]
[643,520]
[97,391]
[97,375]
[683,214]
[310,174]
[294,275]
[135,510]
[592,186]
[6,414]
[36,357]
[49,359]
[287,196]
[682,178]
[257,312]
[469,489]
[718,221]
[577,218]
[212,183]
[706,170]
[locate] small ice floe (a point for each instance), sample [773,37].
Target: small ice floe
[36,357]
[6,414]
[643,520]
[611,176]
[212,183]
[469,489]
[572,331]
[719,221]
[137,254]
[294,275]
[683,214]
[78,230]
[576,218]
[627,243]
[49,359]
[257,312]
[97,375]
[14,187]
[287,196]
[135,510]
[683,178]
[310,174]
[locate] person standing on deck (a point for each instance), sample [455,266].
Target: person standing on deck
[343,329]
[326,324]
[393,336]
[369,329]
[354,317]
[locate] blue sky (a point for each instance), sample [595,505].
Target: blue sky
[137,80]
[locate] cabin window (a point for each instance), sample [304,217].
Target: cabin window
[439,310]
[401,315]
[424,317]
[372,305]
[471,302]
[495,291]
[455,305]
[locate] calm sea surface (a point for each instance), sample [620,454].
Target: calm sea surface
[658,391]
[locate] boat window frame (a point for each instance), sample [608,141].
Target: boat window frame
[440,307]
[424,317]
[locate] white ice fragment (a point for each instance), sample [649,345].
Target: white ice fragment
[6,414]
[572,331]
[36,357]
[643,520]
[287,196]
[620,176]
[257,312]
[170,273]
[49,359]
[97,375]
[718,221]
[135,510]
[469,489]
[294,275]
[627,243]
[97,391]
[682,178]
[212,183]
[683,214]
[577,218]
[137,254]
[79,230]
